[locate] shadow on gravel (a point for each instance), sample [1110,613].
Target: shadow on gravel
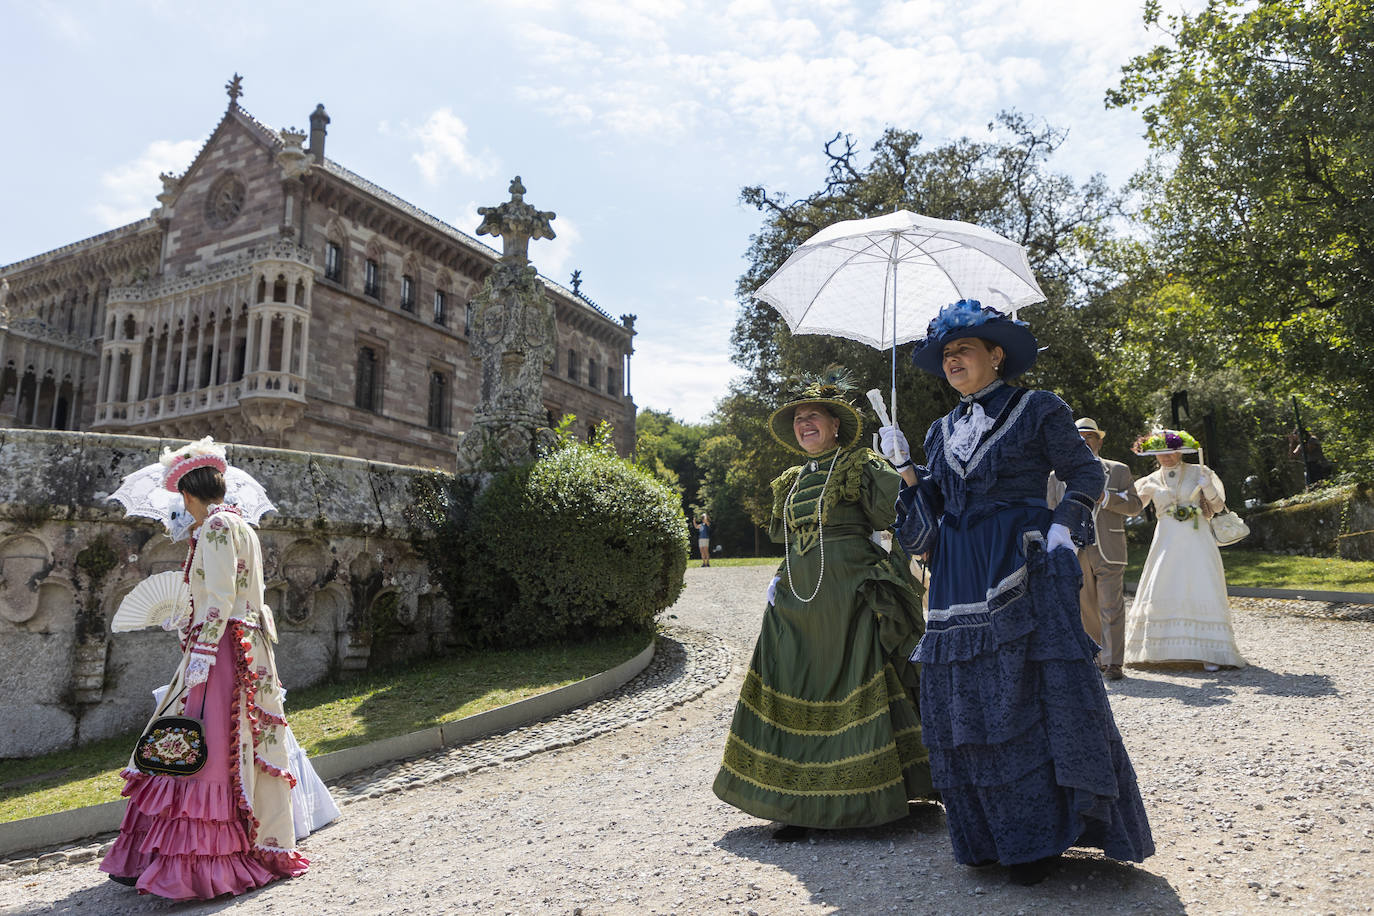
[111,899]
[1216,688]
[1298,685]
[1202,690]
[906,866]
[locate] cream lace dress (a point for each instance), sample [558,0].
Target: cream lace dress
[1180,611]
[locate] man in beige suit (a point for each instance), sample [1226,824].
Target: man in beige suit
[1101,600]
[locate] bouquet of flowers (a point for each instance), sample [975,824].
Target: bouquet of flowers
[1182,513]
[1164,440]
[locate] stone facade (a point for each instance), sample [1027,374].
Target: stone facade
[336,557]
[276,298]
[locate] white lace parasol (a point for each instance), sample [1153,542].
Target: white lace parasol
[143,495]
[158,598]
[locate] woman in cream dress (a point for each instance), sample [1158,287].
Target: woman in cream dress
[1180,611]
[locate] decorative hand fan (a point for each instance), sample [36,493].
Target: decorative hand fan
[159,597]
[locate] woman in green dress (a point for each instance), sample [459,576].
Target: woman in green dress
[826,732]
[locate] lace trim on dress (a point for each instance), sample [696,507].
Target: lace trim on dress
[997,596]
[1001,427]
[968,429]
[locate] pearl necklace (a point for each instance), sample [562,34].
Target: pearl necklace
[820,528]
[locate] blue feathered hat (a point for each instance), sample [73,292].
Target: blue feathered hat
[970,318]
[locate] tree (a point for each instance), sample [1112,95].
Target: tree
[1262,195]
[666,447]
[1003,184]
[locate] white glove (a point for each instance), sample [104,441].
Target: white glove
[894,445]
[197,670]
[1209,488]
[1059,537]
[773,590]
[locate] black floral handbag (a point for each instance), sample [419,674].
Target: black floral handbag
[172,745]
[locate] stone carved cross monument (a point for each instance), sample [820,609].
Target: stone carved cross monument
[513,339]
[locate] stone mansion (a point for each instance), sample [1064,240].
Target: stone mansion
[276,298]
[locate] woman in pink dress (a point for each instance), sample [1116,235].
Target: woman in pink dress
[227,828]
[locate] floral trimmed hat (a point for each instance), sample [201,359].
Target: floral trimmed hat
[1163,441]
[204,453]
[830,390]
[970,318]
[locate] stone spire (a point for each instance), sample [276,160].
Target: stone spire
[235,89]
[517,223]
[319,119]
[513,339]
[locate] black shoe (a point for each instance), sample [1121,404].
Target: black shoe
[125,880]
[789,833]
[1029,874]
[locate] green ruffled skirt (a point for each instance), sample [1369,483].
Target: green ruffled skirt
[826,732]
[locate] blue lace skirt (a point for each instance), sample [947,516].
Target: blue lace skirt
[1023,746]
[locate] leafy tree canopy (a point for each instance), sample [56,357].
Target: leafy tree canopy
[1262,193]
[1003,183]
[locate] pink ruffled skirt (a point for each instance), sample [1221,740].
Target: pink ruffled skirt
[186,837]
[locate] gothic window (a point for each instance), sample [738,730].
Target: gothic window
[438,400]
[612,384]
[593,377]
[372,282]
[225,201]
[206,369]
[572,365]
[333,262]
[469,315]
[365,394]
[407,293]
[440,307]
[279,289]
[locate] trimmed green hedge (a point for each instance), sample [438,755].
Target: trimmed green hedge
[578,543]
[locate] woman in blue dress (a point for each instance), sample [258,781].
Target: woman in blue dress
[1023,746]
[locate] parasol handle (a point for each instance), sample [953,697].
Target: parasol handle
[875,397]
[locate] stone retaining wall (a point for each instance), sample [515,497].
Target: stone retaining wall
[335,553]
[1338,523]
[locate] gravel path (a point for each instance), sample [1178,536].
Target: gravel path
[1259,785]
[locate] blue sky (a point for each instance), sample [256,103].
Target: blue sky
[637,121]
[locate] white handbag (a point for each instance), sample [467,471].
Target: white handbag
[1228,528]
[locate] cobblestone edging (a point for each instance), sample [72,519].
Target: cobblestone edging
[686,664]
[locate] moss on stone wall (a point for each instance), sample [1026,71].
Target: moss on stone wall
[1330,522]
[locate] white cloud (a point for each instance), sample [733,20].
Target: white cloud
[66,24]
[130,190]
[796,74]
[444,145]
[682,359]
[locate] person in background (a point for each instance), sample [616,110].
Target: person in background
[1180,612]
[826,733]
[704,538]
[1102,599]
[1024,749]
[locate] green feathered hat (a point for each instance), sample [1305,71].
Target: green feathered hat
[830,389]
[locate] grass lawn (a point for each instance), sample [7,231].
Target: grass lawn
[1244,568]
[335,715]
[736,561]
[1257,569]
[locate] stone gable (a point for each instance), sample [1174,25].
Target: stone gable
[220,316]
